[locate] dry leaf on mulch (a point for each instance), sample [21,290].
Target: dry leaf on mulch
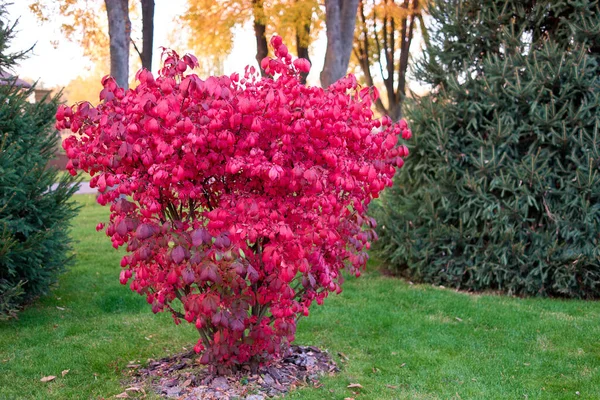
[180,376]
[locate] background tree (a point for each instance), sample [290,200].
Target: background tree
[383,39]
[211,25]
[119,31]
[260,31]
[34,219]
[502,190]
[85,88]
[299,21]
[340,20]
[147,34]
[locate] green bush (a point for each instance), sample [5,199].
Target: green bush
[34,219]
[502,189]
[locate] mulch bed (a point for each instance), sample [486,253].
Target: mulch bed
[181,377]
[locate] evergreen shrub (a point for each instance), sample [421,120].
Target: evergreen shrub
[502,190]
[34,219]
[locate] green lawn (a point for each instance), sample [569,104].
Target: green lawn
[401,341]
[84,177]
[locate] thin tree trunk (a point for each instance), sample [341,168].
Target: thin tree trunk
[340,20]
[147,33]
[396,65]
[303,39]
[303,50]
[262,48]
[395,111]
[403,66]
[362,53]
[119,31]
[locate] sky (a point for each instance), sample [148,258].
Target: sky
[56,65]
[52,66]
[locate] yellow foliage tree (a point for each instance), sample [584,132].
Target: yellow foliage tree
[211,24]
[85,88]
[298,22]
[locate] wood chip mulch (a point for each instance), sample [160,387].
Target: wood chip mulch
[181,377]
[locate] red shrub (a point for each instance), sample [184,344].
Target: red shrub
[246,196]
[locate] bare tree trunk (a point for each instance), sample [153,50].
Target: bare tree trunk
[303,51]
[395,111]
[262,48]
[119,31]
[147,33]
[303,40]
[340,19]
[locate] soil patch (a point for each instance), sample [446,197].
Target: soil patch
[181,377]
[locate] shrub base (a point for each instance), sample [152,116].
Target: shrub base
[181,376]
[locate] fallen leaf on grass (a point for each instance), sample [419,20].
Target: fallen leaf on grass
[60,308]
[349,398]
[343,356]
[123,395]
[64,372]
[133,365]
[134,389]
[402,365]
[355,385]
[458,319]
[391,387]
[48,378]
